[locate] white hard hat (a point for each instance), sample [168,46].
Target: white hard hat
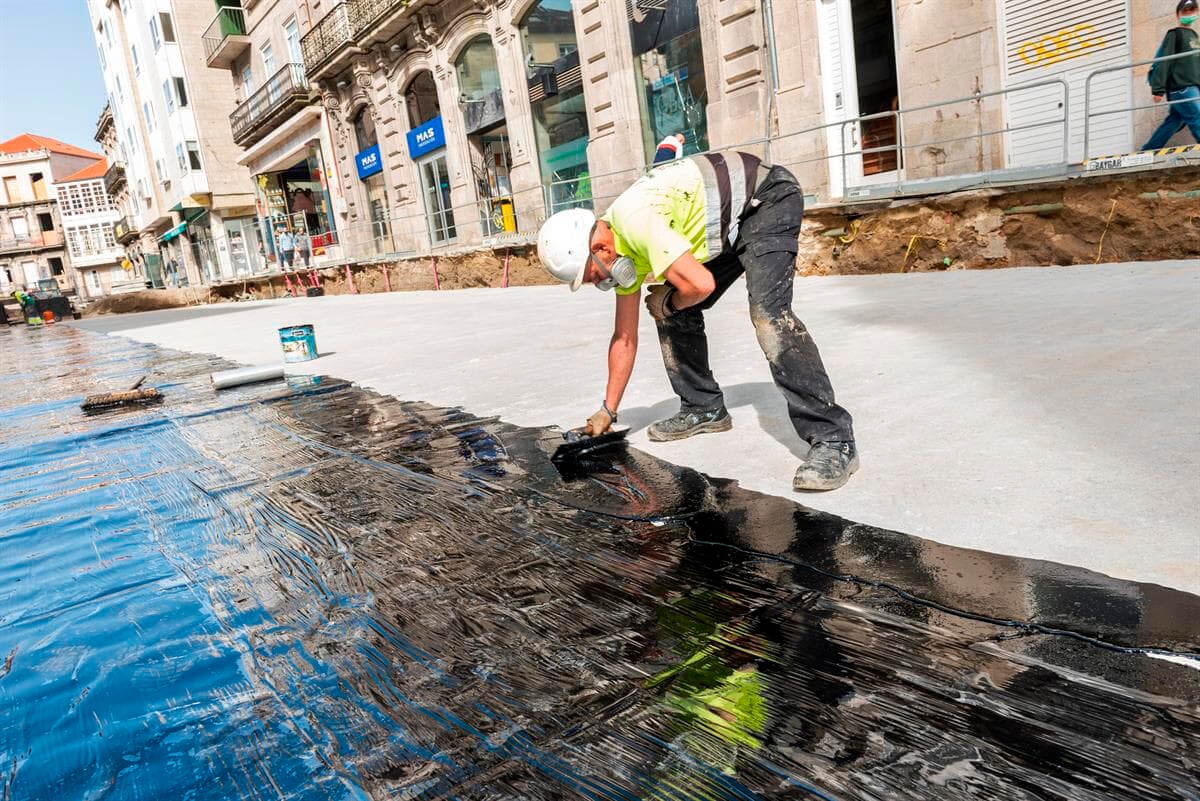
[563,245]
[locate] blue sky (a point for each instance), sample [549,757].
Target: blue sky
[50,81]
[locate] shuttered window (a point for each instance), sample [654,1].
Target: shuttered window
[1065,39]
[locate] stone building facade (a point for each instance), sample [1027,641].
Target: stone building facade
[32,246]
[464,122]
[167,137]
[279,124]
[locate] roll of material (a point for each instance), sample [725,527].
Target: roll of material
[246,375]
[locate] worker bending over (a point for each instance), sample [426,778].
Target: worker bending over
[696,225]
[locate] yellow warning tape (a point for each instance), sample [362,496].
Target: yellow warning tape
[1166,151]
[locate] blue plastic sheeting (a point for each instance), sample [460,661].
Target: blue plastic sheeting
[306,590]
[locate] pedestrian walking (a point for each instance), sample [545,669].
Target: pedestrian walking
[1178,81]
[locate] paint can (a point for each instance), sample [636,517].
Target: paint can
[299,343]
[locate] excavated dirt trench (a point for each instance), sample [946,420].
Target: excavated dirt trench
[1144,217]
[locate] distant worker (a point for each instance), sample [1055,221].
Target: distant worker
[1178,80]
[698,224]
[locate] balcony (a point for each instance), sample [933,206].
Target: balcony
[329,36]
[38,240]
[124,231]
[226,39]
[347,27]
[114,178]
[284,93]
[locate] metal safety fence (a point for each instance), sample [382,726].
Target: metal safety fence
[1089,114]
[830,155]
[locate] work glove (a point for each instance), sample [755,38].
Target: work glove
[600,422]
[658,301]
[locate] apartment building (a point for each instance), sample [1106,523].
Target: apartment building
[173,162]
[462,122]
[279,124]
[32,247]
[89,218]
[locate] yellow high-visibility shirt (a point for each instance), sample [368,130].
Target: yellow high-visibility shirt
[660,218]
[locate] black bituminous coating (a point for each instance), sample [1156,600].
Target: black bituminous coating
[420,605]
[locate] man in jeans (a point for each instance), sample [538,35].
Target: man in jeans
[697,225]
[286,241]
[1178,80]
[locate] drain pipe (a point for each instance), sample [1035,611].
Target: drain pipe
[768,12]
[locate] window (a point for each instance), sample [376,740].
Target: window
[117,81]
[291,30]
[182,159]
[38,181]
[247,82]
[168,29]
[193,150]
[110,239]
[45,222]
[94,279]
[56,265]
[168,97]
[669,67]
[268,59]
[180,92]
[132,141]
[11,189]
[154,33]
[103,63]
[149,116]
[137,66]
[160,169]
[364,129]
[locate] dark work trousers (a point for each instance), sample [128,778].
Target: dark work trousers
[765,251]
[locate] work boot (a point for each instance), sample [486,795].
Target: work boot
[828,466]
[688,424]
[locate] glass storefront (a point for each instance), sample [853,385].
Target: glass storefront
[669,62]
[556,98]
[426,137]
[298,199]
[479,84]
[435,186]
[487,135]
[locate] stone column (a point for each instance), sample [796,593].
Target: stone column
[458,153]
[735,71]
[524,170]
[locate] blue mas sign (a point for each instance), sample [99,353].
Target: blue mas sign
[426,138]
[369,162]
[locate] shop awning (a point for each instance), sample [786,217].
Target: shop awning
[174,232]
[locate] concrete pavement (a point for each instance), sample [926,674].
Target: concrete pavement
[1052,413]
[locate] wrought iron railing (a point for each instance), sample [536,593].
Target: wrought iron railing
[281,89]
[327,36]
[229,21]
[365,13]
[114,176]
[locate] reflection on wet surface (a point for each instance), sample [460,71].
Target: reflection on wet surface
[311,591]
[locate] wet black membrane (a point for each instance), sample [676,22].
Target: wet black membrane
[426,607]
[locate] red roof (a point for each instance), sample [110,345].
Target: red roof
[94,170]
[24,142]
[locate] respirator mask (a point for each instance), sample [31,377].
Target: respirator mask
[622,273]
